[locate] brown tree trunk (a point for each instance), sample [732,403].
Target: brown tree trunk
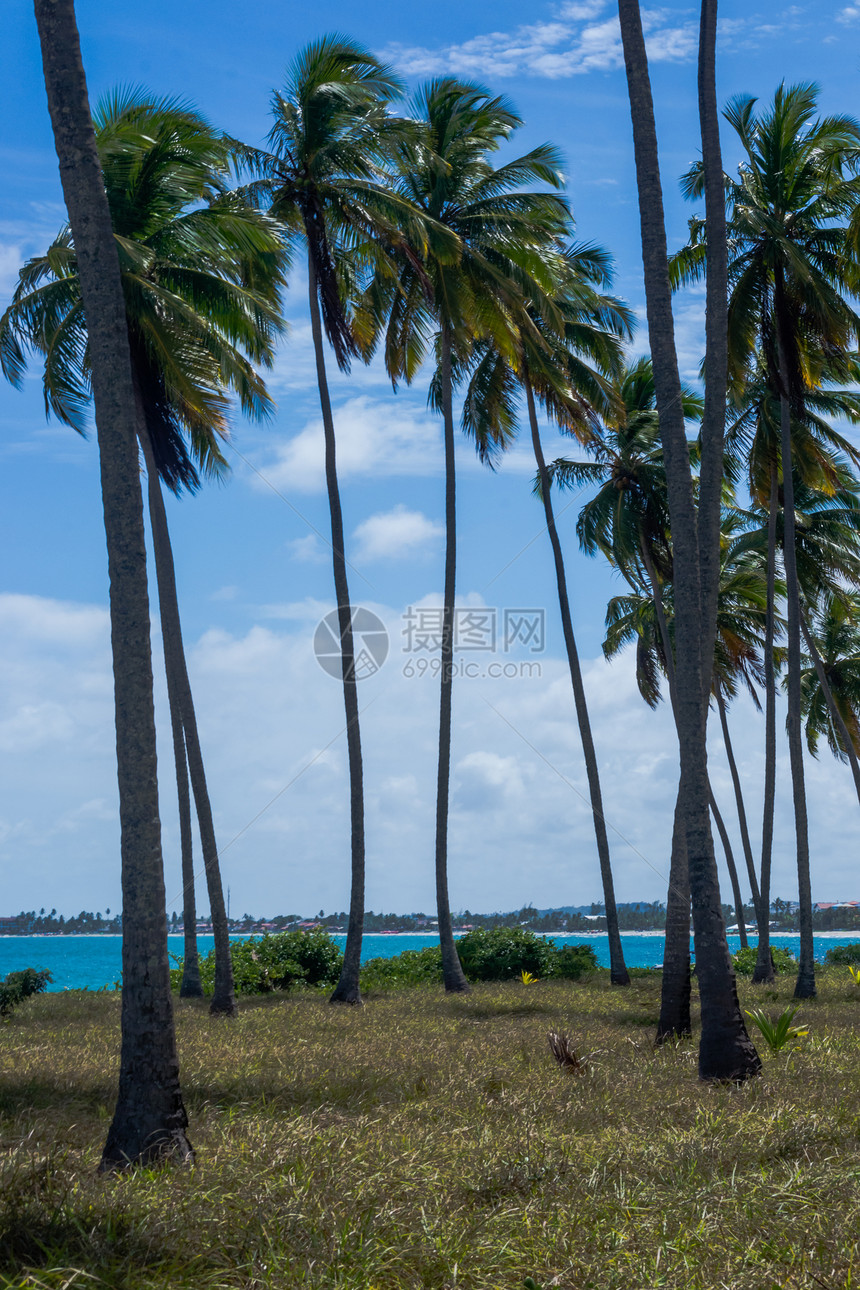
[452,970]
[149,1122]
[178,683]
[725,1051]
[190,987]
[763,973]
[739,801]
[805,987]
[674,1020]
[617,966]
[731,866]
[348,989]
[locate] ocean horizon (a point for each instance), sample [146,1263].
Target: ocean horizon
[94,961]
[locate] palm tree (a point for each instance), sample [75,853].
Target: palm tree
[503,235]
[789,273]
[569,373]
[830,688]
[192,311]
[326,181]
[149,1121]
[725,1048]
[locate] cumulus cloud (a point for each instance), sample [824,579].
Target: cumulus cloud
[396,535]
[374,438]
[849,14]
[573,43]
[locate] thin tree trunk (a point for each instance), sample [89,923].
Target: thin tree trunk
[805,987]
[149,1122]
[725,1050]
[741,808]
[617,966]
[179,686]
[190,986]
[674,1020]
[763,973]
[731,866]
[348,989]
[452,970]
[832,705]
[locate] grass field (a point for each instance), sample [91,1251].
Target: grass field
[431,1142]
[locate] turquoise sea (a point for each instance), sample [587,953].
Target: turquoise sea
[94,962]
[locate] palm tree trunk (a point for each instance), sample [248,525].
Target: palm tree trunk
[348,989]
[739,800]
[179,687]
[190,986]
[725,1050]
[674,1020]
[805,987]
[452,970]
[731,866]
[149,1122]
[617,967]
[832,706]
[763,973]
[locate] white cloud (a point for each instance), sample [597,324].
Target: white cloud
[571,45]
[848,15]
[374,438]
[395,535]
[308,550]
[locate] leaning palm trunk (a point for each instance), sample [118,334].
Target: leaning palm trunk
[832,706]
[348,989]
[617,966]
[763,973]
[452,970]
[805,987]
[731,866]
[149,1122]
[674,1020]
[725,1050]
[179,694]
[741,808]
[190,987]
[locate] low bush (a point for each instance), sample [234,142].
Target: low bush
[282,961]
[412,967]
[503,953]
[573,961]
[18,986]
[745,960]
[843,954]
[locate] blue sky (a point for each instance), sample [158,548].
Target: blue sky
[253,574]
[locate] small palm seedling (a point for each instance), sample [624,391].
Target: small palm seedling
[780,1032]
[855,973]
[528,978]
[565,1054]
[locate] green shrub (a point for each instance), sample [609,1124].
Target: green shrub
[573,961]
[412,967]
[278,962]
[503,953]
[745,960]
[844,954]
[18,986]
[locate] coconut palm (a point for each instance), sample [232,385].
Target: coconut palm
[725,1049]
[790,275]
[200,279]
[568,368]
[149,1121]
[506,238]
[325,179]
[830,687]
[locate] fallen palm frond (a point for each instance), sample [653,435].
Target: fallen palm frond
[564,1052]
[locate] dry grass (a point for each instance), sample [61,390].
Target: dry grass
[431,1142]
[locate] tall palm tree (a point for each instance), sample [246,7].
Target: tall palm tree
[568,368]
[503,234]
[790,274]
[725,1049]
[830,687]
[200,279]
[326,182]
[149,1121]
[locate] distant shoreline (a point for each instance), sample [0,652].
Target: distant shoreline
[117,936]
